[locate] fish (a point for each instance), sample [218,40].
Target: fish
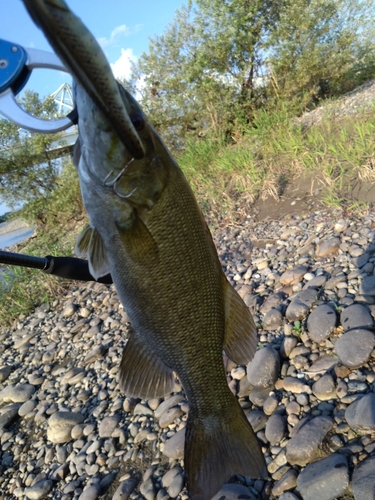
[146,229]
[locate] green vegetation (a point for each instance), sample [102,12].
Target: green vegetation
[224,85]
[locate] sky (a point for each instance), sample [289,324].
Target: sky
[122,27]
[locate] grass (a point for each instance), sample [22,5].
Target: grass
[335,153]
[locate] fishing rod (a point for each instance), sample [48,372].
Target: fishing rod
[70,268]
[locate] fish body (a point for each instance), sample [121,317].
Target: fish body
[147,230]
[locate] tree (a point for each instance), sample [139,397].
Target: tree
[31,175]
[320,49]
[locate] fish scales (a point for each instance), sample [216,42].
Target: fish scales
[147,230]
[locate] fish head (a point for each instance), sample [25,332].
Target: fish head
[101,157]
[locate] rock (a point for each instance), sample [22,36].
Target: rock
[293,276]
[360,415]
[354,347]
[272,319]
[270,405]
[69,310]
[39,490]
[5,371]
[125,489]
[324,388]
[273,301]
[316,282]
[90,493]
[293,384]
[168,403]
[60,425]
[367,287]
[170,475]
[301,304]
[304,445]
[24,340]
[259,396]
[326,479]
[148,489]
[328,247]
[27,407]
[17,393]
[287,482]
[169,416]
[174,446]
[234,492]
[322,365]
[142,409]
[108,425]
[257,419]
[287,345]
[321,323]
[363,480]
[275,428]
[356,316]
[263,370]
[288,495]
[8,414]
[176,485]
[95,354]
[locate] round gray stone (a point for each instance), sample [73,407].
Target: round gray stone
[354,347]
[363,480]
[234,492]
[356,316]
[19,393]
[275,428]
[257,419]
[60,425]
[328,247]
[90,493]
[272,319]
[360,415]
[174,446]
[39,490]
[301,304]
[5,371]
[125,489]
[325,388]
[263,370]
[304,445]
[367,287]
[293,276]
[108,425]
[325,479]
[321,323]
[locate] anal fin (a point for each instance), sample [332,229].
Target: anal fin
[142,373]
[240,341]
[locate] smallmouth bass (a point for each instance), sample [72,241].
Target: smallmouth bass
[147,230]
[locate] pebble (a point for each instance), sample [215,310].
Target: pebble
[5,371]
[363,480]
[328,247]
[234,492]
[293,276]
[304,445]
[125,489]
[326,479]
[275,428]
[301,304]
[354,347]
[356,316]
[39,490]
[174,447]
[286,482]
[19,393]
[360,415]
[60,425]
[324,389]
[321,323]
[263,370]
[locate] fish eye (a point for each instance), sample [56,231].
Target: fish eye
[138,122]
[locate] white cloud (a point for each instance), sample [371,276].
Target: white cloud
[116,33]
[122,67]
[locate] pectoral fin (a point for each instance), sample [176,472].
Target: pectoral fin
[138,240]
[240,341]
[142,374]
[90,245]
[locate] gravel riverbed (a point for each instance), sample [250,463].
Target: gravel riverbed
[67,432]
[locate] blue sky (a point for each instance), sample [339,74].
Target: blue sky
[122,27]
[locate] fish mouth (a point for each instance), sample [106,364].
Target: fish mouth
[58,23]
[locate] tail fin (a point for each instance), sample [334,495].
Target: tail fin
[216,448]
